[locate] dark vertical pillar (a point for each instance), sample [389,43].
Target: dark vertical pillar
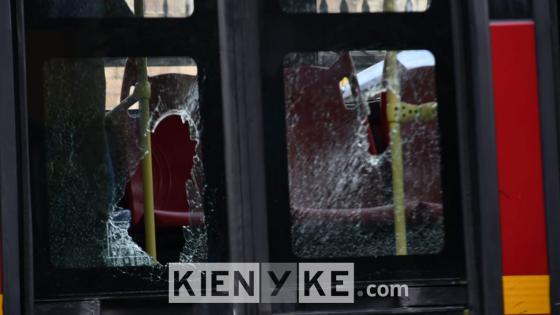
[239,28]
[323,7]
[9,179]
[548,63]
[365,6]
[482,219]
[344,7]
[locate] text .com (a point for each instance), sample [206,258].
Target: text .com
[271,283]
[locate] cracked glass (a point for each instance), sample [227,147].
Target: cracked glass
[364,162]
[94,146]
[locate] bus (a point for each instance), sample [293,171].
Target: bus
[417,140]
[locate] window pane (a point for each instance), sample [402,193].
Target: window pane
[117,8]
[363,154]
[354,6]
[94,146]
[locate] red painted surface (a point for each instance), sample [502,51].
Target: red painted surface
[172,156]
[519,149]
[172,162]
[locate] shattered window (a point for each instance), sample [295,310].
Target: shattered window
[354,6]
[363,154]
[118,8]
[125,182]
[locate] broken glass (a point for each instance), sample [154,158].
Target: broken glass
[340,159]
[93,149]
[352,6]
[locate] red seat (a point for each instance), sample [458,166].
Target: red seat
[323,143]
[172,155]
[172,162]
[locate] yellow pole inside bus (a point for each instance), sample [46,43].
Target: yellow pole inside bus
[145,138]
[394,109]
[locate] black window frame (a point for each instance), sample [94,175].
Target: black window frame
[195,37]
[306,33]
[468,43]
[15,274]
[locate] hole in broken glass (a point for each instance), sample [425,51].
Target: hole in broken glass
[341,123]
[93,152]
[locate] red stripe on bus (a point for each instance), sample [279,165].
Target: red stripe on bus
[519,149]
